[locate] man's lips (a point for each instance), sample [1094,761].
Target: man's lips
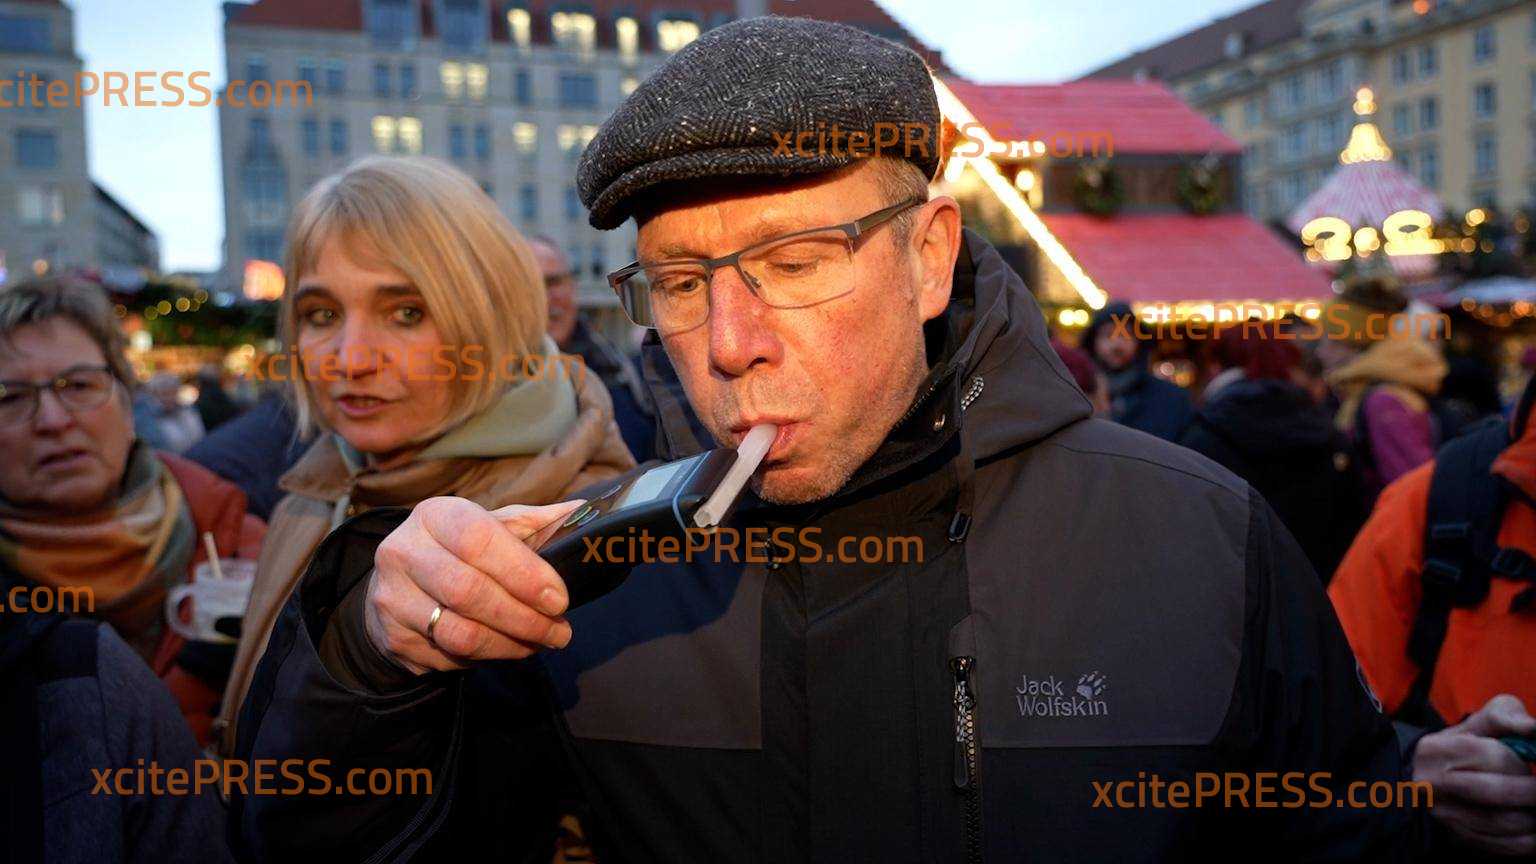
[782,442]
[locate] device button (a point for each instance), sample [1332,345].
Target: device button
[575,518]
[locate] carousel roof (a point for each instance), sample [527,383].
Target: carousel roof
[1365,193]
[1368,186]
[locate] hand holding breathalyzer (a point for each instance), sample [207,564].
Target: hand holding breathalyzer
[456,583]
[499,599]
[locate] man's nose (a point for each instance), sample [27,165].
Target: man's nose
[740,332]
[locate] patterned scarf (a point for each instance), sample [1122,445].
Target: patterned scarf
[128,554]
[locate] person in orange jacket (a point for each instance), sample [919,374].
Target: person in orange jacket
[1436,597]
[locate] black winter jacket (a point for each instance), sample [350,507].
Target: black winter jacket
[1092,605]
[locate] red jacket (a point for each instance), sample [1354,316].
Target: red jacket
[217,505]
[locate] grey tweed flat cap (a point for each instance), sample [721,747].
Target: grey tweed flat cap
[769,96]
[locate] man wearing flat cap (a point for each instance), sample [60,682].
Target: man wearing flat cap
[1082,616]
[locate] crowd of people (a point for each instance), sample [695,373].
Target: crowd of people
[1316,562]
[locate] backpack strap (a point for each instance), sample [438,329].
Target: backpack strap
[1461,551]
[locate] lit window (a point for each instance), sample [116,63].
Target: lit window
[519,25]
[587,134]
[574,31]
[629,36]
[673,35]
[525,136]
[566,136]
[410,135]
[41,205]
[384,134]
[629,84]
[475,77]
[452,75]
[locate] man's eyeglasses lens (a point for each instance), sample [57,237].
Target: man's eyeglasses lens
[792,273]
[79,390]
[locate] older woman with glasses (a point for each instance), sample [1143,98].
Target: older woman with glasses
[89,514]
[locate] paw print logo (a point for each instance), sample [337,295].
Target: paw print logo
[1090,685]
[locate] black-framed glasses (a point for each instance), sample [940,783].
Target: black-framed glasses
[78,388]
[789,272]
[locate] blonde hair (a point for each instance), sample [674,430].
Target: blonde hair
[477,275]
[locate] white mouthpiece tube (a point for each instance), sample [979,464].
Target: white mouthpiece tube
[748,456]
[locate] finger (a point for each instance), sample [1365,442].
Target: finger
[1474,753]
[477,538]
[1487,789]
[477,596]
[455,639]
[1485,821]
[533,525]
[399,637]
[1502,715]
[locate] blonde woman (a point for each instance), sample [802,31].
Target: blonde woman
[413,310]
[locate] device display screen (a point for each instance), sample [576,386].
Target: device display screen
[650,484]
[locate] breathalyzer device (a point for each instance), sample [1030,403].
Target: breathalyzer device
[668,500]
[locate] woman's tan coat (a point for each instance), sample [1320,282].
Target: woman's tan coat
[320,484]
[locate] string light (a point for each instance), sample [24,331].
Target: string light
[1011,199]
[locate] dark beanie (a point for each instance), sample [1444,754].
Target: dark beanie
[768,97]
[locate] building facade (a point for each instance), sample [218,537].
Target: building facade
[510,92]
[1455,81]
[125,247]
[47,202]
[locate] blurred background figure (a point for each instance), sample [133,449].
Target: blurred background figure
[160,417]
[85,505]
[254,450]
[618,369]
[1258,419]
[214,407]
[76,698]
[1384,376]
[1088,377]
[1137,398]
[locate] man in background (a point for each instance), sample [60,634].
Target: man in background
[632,408]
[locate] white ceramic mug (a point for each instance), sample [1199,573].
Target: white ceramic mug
[212,599]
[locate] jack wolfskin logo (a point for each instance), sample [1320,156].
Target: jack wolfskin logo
[1049,697]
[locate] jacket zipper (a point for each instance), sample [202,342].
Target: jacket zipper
[967,779]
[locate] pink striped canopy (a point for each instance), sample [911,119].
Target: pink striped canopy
[1366,193]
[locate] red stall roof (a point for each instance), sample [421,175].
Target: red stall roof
[1137,116]
[1172,257]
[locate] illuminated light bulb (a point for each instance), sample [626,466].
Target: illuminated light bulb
[1476,217]
[1025,180]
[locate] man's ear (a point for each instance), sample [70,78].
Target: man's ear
[936,240]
